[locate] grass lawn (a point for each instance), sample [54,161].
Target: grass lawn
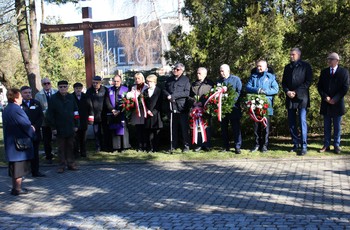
[278,149]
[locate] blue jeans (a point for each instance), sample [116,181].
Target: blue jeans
[293,128]
[327,128]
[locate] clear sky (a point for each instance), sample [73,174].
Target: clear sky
[104,10]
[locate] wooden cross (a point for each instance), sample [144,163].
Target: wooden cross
[87,27]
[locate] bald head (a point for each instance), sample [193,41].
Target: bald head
[225,70]
[261,66]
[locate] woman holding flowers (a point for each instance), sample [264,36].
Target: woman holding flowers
[262,83]
[140,113]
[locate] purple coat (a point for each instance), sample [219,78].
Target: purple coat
[114,102]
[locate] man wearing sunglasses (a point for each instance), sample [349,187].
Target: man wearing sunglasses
[43,96]
[63,117]
[176,92]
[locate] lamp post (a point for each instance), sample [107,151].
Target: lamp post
[102,55]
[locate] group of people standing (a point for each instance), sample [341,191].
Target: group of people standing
[67,116]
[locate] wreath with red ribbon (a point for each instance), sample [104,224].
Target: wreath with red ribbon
[220,100]
[257,107]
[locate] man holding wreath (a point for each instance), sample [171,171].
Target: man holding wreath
[264,83]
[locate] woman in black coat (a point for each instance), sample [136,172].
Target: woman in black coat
[153,122]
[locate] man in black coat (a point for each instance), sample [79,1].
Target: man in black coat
[35,114]
[332,87]
[176,92]
[86,117]
[296,81]
[97,93]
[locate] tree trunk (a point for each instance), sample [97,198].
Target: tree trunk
[28,40]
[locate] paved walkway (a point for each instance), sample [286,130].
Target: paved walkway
[271,194]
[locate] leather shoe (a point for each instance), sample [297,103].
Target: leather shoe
[238,151]
[186,149]
[198,149]
[303,152]
[294,149]
[225,150]
[73,168]
[337,149]
[264,149]
[38,174]
[23,191]
[60,170]
[324,149]
[256,148]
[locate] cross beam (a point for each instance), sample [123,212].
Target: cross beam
[87,27]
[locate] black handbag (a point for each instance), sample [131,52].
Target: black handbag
[23,143]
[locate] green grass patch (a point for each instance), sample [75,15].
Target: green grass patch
[278,149]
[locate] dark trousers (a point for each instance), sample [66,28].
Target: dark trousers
[35,160]
[47,139]
[327,128]
[80,143]
[140,136]
[261,133]
[153,139]
[236,129]
[65,150]
[180,124]
[98,135]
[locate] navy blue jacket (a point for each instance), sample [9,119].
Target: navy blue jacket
[236,84]
[265,81]
[16,125]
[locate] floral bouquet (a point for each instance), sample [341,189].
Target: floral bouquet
[198,123]
[220,100]
[131,102]
[257,106]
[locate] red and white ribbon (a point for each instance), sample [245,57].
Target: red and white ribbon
[218,94]
[138,111]
[255,118]
[198,124]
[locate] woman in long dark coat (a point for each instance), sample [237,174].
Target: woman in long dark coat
[153,122]
[17,125]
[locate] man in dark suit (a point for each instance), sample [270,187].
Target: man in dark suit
[332,87]
[296,81]
[97,94]
[35,114]
[176,92]
[86,117]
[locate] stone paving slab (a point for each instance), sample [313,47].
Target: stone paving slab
[269,194]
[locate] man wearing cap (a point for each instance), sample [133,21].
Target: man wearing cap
[296,81]
[98,94]
[43,96]
[332,86]
[86,118]
[35,114]
[176,92]
[63,117]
